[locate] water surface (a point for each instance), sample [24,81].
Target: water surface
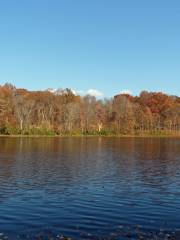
[89,188]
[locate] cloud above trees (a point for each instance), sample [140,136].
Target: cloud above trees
[126,91]
[91,92]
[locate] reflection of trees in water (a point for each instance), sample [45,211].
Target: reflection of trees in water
[46,163]
[59,164]
[157,161]
[150,161]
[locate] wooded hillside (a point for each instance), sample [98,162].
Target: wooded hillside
[44,112]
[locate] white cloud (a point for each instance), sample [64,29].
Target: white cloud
[91,92]
[95,93]
[78,92]
[126,91]
[52,90]
[74,91]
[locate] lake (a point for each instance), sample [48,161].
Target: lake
[90,188]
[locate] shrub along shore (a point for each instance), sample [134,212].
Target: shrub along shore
[92,134]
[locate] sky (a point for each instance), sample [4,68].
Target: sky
[105,46]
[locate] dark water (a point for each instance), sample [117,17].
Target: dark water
[90,188]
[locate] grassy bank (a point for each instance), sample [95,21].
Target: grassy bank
[8,130]
[92,135]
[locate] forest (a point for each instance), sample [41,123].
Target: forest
[64,113]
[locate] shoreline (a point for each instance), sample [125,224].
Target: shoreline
[90,136]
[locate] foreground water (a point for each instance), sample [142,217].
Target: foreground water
[90,188]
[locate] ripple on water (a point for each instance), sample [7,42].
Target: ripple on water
[116,188]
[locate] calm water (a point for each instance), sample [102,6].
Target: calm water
[86,188]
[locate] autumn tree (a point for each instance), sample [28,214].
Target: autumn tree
[62,111]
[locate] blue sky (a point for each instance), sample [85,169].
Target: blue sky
[109,45]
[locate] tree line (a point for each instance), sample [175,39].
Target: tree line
[63,112]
